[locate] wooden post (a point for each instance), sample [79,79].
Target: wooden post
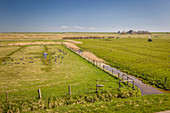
[69,89]
[112,71]
[39,93]
[165,79]
[127,80]
[122,76]
[118,75]
[97,86]
[133,84]
[119,84]
[6,97]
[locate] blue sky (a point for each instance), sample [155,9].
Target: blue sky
[84,15]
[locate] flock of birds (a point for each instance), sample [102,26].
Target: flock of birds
[52,56]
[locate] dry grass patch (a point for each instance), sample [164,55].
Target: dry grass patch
[76,42]
[91,56]
[71,45]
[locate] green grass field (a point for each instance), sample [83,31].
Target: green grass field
[29,71]
[24,69]
[146,60]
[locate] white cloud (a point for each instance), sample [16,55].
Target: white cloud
[91,28]
[64,27]
[78,27]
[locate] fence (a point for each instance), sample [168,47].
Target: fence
[123,77]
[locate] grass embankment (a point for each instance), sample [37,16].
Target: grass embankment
[146,60]
[25,70]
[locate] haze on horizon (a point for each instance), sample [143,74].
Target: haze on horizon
[84,15]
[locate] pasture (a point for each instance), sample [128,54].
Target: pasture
[23,70]
[26,70]
[136,56]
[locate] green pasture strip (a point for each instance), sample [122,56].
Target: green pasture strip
[144,104]
[28,70]
[147,60]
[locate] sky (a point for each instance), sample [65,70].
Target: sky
[84,15]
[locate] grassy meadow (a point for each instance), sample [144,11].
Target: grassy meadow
[26,70]
[23,70]
[136,56]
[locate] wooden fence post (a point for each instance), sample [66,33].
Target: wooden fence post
[133,84]
[6,97]
[39,93]
[97,86]
[118,75]
[165,79]
[119,84]
[122,76]
[69,89]
[127,80]
[112,71]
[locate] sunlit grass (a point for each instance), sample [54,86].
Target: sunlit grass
[29,71]
[147,60]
